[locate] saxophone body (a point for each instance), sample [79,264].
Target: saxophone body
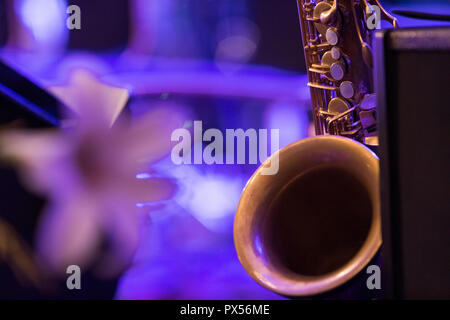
[315,225]
[336,41]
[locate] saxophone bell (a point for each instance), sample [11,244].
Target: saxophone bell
[315,224]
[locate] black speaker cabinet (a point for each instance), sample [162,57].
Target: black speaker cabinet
[413,87]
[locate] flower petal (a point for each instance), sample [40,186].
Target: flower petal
[68,232]
[97,103]
[149,138]
[44,158]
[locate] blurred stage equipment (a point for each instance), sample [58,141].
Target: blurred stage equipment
[24,104]
[412,70]
[316,225]
[422,15]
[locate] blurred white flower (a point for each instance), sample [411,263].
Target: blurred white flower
[88,173]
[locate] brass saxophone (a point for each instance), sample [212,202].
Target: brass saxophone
[316,224]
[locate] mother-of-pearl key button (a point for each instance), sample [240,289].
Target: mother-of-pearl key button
[337,71]
[346,89]
[335,53]
[331,36]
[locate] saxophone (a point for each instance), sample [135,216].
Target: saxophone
[315,225]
